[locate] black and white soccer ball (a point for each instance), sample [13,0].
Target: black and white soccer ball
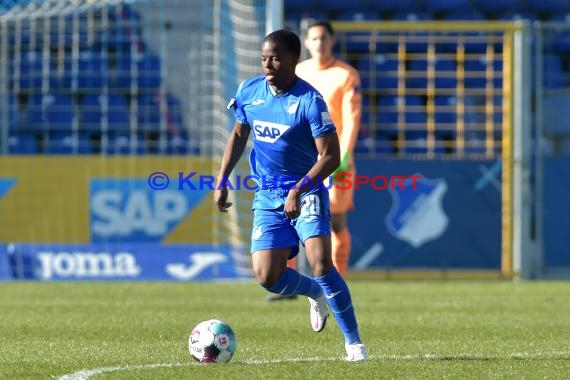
[212,341]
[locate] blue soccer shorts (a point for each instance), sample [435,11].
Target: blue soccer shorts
[272,229]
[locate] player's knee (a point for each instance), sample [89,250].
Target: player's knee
[266,277]
[321,267]
[338,222]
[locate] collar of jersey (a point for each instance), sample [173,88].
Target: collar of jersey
[284,91]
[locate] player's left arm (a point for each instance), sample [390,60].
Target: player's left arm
[329,153]
[351,117]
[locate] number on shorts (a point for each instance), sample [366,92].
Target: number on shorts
[311,207]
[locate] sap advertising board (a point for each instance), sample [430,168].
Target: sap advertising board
[129,210]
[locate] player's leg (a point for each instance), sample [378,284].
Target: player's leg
[341,201]
[274,240]
[341,243]
[337,294]
[292,264]
[314,228]
[271,272]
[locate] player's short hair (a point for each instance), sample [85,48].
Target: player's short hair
[325,24]
[286,38]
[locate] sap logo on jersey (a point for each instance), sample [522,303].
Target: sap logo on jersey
[128,210]
[66,265]
[268,132]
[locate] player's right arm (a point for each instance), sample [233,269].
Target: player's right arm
[234,149]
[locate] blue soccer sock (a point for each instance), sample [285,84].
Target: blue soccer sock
[292,282]
[340,303]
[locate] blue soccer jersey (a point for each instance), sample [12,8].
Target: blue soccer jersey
[284,127]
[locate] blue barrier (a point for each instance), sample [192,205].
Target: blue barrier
[556,212]
[451,220]
[116,261]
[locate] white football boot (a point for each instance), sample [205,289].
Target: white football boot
[355,352]
[319,313]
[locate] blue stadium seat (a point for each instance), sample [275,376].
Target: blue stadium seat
[125,28]
[560,38]
[475,142]
[67,143]
[392,6]
[387,111]
[412,16]
[50,112]
[445,111]
[553,6]
[358,42]
[445,74]
[93,71]
[33,69]
[464,15]
[22,143]
[475,72]
[415,143]
[149,113]
[298,5]
[516,16]
[475,42]
[474,111]
[178,142]
[92,112]
[497,110]
[147,76]
[123,31]
[358,15]
[357,5]
[381,142]
[380,74]
[417,140]
[497,5]
[22,39]
[295,17]
[552,74]
[13,111]
[385,142]
[120,143]
[65,28]
[446,5]
[365,118]
[77,24]
[364,141]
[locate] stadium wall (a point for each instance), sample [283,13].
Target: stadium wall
[450,219]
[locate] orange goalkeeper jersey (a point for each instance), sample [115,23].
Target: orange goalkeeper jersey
[339,83]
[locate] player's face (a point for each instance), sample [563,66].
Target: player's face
[278,64]
[319,43]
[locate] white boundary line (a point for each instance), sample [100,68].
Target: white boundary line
[86,374]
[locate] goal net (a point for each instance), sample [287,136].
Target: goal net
[97,95]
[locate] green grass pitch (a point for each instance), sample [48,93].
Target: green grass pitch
[413,330]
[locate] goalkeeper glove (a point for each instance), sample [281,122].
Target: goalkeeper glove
[343,167]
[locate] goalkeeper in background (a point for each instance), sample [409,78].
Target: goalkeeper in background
[339,83]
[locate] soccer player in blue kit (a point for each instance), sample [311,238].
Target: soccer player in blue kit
[295,147]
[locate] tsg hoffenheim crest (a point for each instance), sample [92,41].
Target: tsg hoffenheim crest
[292,106]
[417,216]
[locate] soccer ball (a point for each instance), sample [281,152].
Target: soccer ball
[212,341]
